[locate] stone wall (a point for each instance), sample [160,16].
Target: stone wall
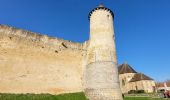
[35,63]
[146,85]
[125,84]
[102,82]
[124,81]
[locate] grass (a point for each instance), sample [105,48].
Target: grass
[143,98]
[71,96]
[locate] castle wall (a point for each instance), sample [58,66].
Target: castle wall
[35,63]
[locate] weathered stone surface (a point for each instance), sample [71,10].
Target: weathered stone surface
[102,81]
[101,74]
[124,81]
[34,63]
[126,85]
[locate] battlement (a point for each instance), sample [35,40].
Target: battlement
[24,36]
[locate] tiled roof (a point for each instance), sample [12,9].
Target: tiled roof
[139,77]
[125,68]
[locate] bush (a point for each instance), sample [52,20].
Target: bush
[135,91]
[140,91]
[131,91]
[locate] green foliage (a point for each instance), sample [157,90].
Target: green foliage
[140,91]
[136,91]
[71,96]
[131,92]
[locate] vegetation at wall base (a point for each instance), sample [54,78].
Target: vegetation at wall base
[144,98]
[136,91]
[70,96]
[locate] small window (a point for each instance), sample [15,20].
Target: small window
[123,82]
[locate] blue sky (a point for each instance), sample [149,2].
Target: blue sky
[142,27]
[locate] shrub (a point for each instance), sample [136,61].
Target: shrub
[135,91]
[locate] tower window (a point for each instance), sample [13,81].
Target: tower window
[108,16]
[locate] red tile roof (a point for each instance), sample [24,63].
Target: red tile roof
[161,84]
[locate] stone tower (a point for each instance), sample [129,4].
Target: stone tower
[101,74]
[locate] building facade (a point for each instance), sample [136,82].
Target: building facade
[131,80]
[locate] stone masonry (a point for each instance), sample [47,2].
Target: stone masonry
[101,75]
[35,63]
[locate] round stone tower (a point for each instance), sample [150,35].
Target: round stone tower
[101,74]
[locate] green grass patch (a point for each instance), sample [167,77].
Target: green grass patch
[70,96]
[143,98]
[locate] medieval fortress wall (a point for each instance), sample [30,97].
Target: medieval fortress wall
[35,63]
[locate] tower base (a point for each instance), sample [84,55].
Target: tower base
[102,82]
[103,94]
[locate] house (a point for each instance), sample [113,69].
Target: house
[132,80]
